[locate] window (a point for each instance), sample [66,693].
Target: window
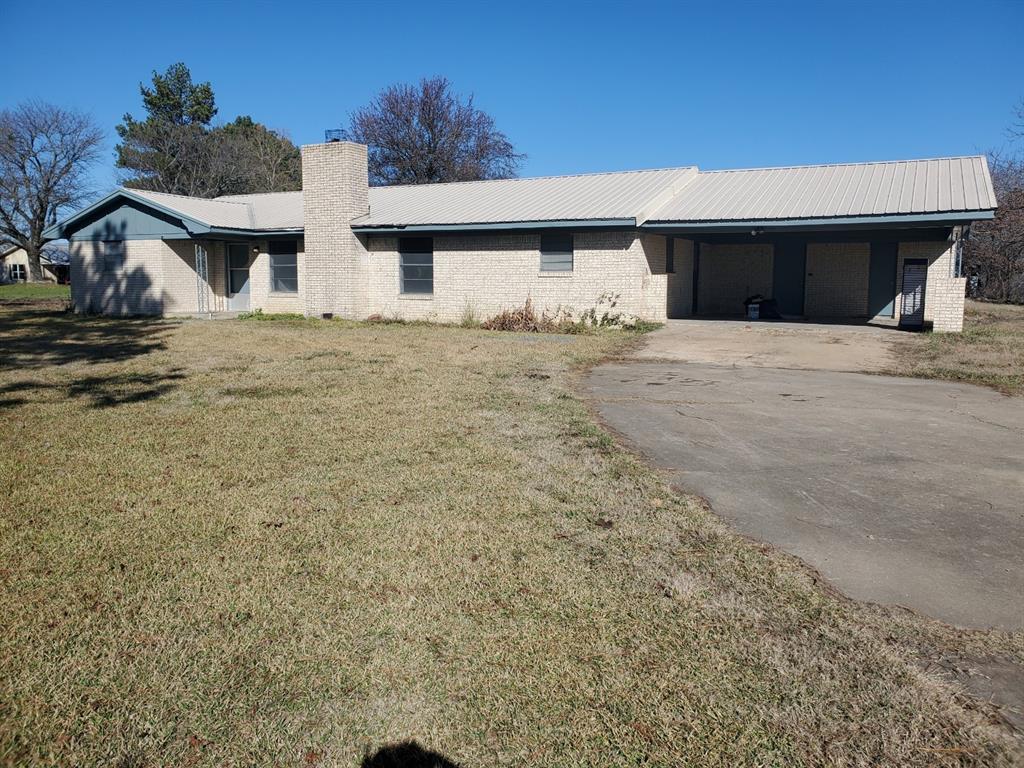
[670,255]
[113,255]
[18,272]
[416,260]
[556,252]
[284,266]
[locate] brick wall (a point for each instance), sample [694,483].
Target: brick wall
[729,273]
[136,288]
[157,277]
[837,279]
[944,294]
[335,190]
[262,297]
[484,274]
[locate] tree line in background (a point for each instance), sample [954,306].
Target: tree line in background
[416,134]
[175,149]
[994,253]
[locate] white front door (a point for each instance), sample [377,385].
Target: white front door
[238,277]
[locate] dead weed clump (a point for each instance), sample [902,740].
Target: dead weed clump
[525,319]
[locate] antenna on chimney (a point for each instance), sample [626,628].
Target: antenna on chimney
[334,134]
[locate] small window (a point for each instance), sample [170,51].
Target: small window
[670,255]
[284,266]
[416,260]
[556,252]
[18,273]
[113,255]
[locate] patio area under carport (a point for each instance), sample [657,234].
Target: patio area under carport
[909,276]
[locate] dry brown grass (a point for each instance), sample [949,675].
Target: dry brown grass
[990,351]
[293,542]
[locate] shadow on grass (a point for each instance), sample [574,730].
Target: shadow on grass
[407,754]
[34,337]
[100,391]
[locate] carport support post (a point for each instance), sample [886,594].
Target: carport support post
[696,276]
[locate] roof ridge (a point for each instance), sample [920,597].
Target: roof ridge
[537,178]
[840,165]
[252,194]
[144,192]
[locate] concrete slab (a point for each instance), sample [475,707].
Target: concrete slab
[899,491]
[817,346]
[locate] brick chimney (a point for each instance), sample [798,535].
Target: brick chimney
[335,190]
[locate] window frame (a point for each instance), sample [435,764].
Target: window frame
[273,264]
[113,249]
[22,273]
[557,249]
[670,255]
[417,248]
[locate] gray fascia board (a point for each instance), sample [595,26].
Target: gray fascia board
[492,226]
[253,233]
[847,222]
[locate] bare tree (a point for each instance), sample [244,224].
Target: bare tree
[45,152]
[425,134]
[994,255]
[1017,126]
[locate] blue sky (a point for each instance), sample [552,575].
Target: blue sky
[577,87]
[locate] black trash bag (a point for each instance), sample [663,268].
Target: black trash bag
[767,309]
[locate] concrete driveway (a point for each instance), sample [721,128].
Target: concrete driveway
[899,491]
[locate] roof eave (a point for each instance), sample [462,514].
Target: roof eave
[383,229]
[254,233]
[837,222]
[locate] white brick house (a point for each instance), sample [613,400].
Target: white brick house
[868,241]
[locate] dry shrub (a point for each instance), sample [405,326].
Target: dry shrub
[525,319]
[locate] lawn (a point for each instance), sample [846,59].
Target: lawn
[34,292]
[297,542]
[990,351]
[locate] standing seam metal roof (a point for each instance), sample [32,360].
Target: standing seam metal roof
[954,184]
[941,185]
[598,196]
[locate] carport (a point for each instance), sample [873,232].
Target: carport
[825,275]
[854,243]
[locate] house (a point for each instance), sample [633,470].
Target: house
[54,261]
[852,241]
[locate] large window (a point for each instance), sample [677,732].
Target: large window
[18,273]
[556,252]
[416,258]
[113,255]
[284,266]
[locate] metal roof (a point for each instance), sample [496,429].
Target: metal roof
[271,210]
[942,185]
[840,193]
[214,213]
[627,195]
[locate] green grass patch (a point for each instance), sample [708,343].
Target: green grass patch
[22,291]
[292,543]
[272,317]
